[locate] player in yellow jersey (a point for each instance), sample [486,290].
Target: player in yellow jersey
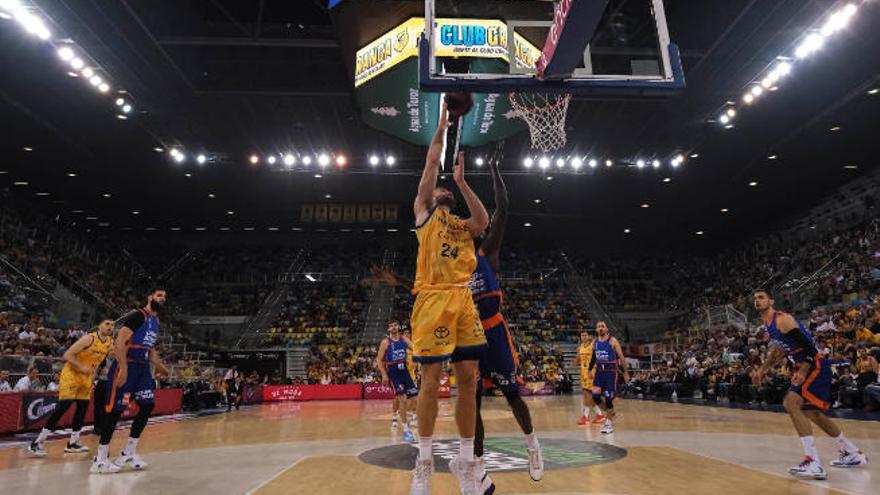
[75,385]
[445,323]
[585,355]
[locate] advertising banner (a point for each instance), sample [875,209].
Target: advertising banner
[377,391]
[275,393]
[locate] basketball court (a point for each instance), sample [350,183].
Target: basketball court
[347,447]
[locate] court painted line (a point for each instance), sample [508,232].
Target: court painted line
[275,476]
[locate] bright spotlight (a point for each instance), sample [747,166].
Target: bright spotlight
[323,159]
[656,163]
[374,160]
[608,163]
[32,24]
[731,112]
[479,161]
[783,69]
[95,80]
[560,162]
[341,160]
[88,72]
[77,63]
[126,108]
[120,102]
[640,163]
[757,91]
[178,156]
[271,160]
[528,162]
[544,162]
[104,88]
[66,53]
[289,160]
[307,160]
[812,43]
[390,160]
[254,159]
[748,99]
[577,162]
[201,159]
[724,119]
[593,163]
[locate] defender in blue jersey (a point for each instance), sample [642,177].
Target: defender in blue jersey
[392,361]
[605,367]
[810,391]
[131,380]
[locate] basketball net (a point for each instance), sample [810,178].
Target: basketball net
[545,115]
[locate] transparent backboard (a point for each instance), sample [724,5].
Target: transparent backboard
[624,49]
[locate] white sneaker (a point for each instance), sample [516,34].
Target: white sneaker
[130,461]
[850,459]
[104,467]
[607,429]
[465,472]
[36,449]
[421,480]
[536,464]
[485,484]
[809,469]
[394,424]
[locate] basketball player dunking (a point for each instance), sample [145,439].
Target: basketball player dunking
[75,386]
[606,363]
[132,379]
[810,391]
[584,357]
[445,323]
[392,362]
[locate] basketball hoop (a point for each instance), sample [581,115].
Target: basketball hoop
[545,115]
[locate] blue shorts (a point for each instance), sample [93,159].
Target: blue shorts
[816,389]
[499,363]
[605,383]
[401,380]
[139,387]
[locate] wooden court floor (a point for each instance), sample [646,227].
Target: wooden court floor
[320,448]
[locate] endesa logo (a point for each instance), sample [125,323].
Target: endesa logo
[472,35]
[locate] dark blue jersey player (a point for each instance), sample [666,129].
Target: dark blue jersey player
[605,367]
[810,391]
[393,364]
[131,380]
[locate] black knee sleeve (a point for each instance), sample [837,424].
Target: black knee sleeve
[597,399]
[609,404]
[79,415]
[140,421]
[109,426]
[60,409]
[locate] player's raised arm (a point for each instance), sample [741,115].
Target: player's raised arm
[422,205]
[492,245]
[479,218]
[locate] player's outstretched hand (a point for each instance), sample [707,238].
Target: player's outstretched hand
[458,170]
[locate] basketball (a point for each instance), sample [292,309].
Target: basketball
[459,104]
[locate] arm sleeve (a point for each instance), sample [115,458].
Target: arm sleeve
[132,320]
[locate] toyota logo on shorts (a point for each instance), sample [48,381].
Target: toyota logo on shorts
[441,332]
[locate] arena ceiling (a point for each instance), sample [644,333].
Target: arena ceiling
[230,78]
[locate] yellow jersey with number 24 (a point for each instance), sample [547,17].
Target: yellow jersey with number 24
[446,253]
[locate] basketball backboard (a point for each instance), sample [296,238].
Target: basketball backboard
[596,48]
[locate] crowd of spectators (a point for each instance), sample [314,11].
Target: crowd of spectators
[336,364]
[319,313]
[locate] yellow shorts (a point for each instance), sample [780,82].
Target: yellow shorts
[586,381]
[444,321]
[73,385]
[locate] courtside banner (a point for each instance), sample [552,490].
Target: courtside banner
[536,388]
[10,412]
[252,394]
[36,408]
[377,391]
[275,393]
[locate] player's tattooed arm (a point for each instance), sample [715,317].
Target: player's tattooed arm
[492,244]
[428,181]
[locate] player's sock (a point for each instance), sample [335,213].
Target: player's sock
[809,443]
[74,437]
[44,434]
[586,412]
[426,445]
[103,452]
[598,410]
[466,448]
[405,426]
[846,445]
[608,421]
[130,447]
[532,441]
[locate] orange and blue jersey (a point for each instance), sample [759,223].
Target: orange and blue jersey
[793,342]
[607,363]
[800,347]
[144,336]
[485,288]
[139,385]
[499,363]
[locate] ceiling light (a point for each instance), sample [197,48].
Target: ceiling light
[224,229]
[753,184]
[695,155]
[66,53]
[120,102]
[608,163]
[626,231]
[576,162]
[731,112]
[230,212]
[178,157]
[341,161]
[656,163]
[72,74]
[135,213]
[323,159]
[748,98]
[773,157]
[850,167]
[640,163]
[699,232]
[667,179]
[479,161]
[835,128]
[544,162]
[528,162]
[645,205]
[32,23]
[593,163]
[71,174]
[724,210]
[95,80]
[549,177]
[88,72]
[126,108]
[254,159]
[42,194]
[724,119]
[77,63]
[271,160]
[187,174]
[527,224]
[328,196]
[28,149]
[873,91]
[307,160]
[289,160]
[374,160]
[212,195]
[757,91]
[107,195]
[560,162]
[537,201]
[121,117]
[729,126]
[318,176]
[390,160]
[811,44]
[20,183]
[201,159]
[104,88]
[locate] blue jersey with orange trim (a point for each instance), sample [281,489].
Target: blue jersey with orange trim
[395,353]
[792,346]
[145,334]
[485,288]
[604,354]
